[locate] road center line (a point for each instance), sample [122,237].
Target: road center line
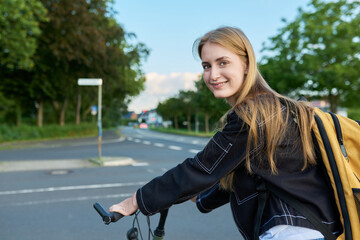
[194,150]
[67,188]
[159,145]
[175,148]
[123,195]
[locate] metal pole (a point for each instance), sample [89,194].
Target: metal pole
[99,121]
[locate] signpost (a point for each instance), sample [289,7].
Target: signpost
[95,82]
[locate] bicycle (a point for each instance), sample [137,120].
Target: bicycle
[133,232]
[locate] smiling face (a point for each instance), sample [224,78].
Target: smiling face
[224,71]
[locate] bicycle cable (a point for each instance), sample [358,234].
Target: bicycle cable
[149,226]
[137,229]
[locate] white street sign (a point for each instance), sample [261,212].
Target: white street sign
[95,82]
[90,81]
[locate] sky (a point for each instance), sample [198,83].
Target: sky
[169,28]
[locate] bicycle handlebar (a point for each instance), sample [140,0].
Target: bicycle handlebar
[107,217]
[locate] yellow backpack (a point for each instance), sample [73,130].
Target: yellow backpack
[338,138]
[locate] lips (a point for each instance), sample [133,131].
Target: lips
[218,85]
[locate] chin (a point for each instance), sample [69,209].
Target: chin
[221,96]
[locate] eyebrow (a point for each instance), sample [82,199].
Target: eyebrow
[218,59]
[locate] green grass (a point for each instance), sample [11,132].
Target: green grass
[26,132]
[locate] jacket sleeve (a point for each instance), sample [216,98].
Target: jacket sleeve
[223,153]
[213,198]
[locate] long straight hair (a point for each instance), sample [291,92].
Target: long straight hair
[258,102]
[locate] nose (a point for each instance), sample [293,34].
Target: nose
[214,73]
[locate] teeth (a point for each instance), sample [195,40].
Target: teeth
[218,84]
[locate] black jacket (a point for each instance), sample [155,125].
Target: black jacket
[224,154]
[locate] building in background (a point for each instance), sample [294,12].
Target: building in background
[151,118]
[131,115]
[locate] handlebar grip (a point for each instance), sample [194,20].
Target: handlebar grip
[107,217]
[115,216]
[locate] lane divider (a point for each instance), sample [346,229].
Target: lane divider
[49,201]
[69,188]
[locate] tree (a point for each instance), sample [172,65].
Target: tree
[188,106]
[82,39]
[171,108]
[19,29]
[318,53]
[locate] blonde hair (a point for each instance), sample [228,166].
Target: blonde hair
[258,102]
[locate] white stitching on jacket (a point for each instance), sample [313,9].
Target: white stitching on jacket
[142,200]
[216,163]
[244,200]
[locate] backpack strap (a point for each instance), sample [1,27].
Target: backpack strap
[336,175]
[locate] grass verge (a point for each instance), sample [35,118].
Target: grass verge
[10,134]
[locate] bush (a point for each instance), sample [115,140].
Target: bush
[26,132]
[354,113]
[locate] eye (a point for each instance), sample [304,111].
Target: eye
[223,63]
[206,66]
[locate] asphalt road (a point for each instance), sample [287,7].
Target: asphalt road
[56,202]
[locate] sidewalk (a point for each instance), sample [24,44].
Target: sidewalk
[15,166]
[33,165]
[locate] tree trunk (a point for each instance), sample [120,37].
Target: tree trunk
[18,114]
[62,113]
[55,106]
[39,118]
[207,118]
[86,112]
[333,99]
[188,122]
[78,108]
[176,122]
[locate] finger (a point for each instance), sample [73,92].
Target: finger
[114,208]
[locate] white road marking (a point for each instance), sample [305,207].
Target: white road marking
[140,164]
[194,150]
[137,140]
[48,201]
[175,148]
[146,142]
[68,188]
[159,145]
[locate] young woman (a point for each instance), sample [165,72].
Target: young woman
[266,136]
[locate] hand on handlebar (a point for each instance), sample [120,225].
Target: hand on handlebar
[126,207]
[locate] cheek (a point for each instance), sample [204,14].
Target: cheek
[206,76]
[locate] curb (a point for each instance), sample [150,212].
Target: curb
[36,165]
[112,161]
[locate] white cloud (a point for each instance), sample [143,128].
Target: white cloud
[159,87]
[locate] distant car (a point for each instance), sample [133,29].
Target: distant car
[143,125]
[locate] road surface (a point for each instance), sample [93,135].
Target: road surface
[45,202]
